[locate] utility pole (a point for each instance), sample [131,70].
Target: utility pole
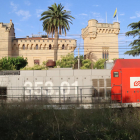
[78,58]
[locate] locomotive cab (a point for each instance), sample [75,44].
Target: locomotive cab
[125,81]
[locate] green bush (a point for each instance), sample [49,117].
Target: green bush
[76,58]
[66,61]
[35,67]
[86,64]
[99,64]
[13,63]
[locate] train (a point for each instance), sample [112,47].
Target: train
[115,88]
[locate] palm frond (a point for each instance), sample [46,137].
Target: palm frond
[56,18]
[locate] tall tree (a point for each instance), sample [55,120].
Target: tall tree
[135,50]
[54,20]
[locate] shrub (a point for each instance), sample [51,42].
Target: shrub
[99,64]
[35,67]
[13,63]
[66,61]
[86,64]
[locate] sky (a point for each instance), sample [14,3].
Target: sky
[26,14]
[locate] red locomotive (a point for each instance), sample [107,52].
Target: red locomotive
[125,81]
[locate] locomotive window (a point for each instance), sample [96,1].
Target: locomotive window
[115,74]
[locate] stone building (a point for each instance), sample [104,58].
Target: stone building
[36,49]
[101,39]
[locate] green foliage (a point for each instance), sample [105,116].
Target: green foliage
[56,18]
[35,67]
[99,64]
[66,61]
[13,63]
[44,63]
[135,50]
[86,64]
[0,64]
[115,58]
[76,58]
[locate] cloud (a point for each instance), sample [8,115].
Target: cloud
[16,23]
[25,14]
[138,13]
[98,17]
[27,3]
[14,6]
[18,29]
[133,17]
[101,20]
[122,14]
[67,6]
[96,14]
[96,5]
[83,14]
[39,12]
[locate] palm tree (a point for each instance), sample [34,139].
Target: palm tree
[91,56]
[54,20]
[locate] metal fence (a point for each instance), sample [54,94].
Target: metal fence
[53,95]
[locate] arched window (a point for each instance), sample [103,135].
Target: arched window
[63,47]
[23,46]
[50,47]
[18,47]
[27,46]
[36,46]
[31,47]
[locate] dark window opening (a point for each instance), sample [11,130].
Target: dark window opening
[105,54]
[50,47]
[36,62]
[3,93]
[23,47]
[63,47]
[36,46]
[115,74]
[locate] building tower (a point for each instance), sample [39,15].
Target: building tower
[7,34]
[101,39]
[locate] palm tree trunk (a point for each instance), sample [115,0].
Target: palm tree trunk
[55,44]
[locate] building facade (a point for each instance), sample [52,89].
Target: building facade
[36,49]
[101,39]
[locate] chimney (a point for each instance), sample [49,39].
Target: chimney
[27,37]
[10,20]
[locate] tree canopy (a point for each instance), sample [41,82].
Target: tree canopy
[56,19]
[135,50]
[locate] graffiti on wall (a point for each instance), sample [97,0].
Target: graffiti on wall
[49,88]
